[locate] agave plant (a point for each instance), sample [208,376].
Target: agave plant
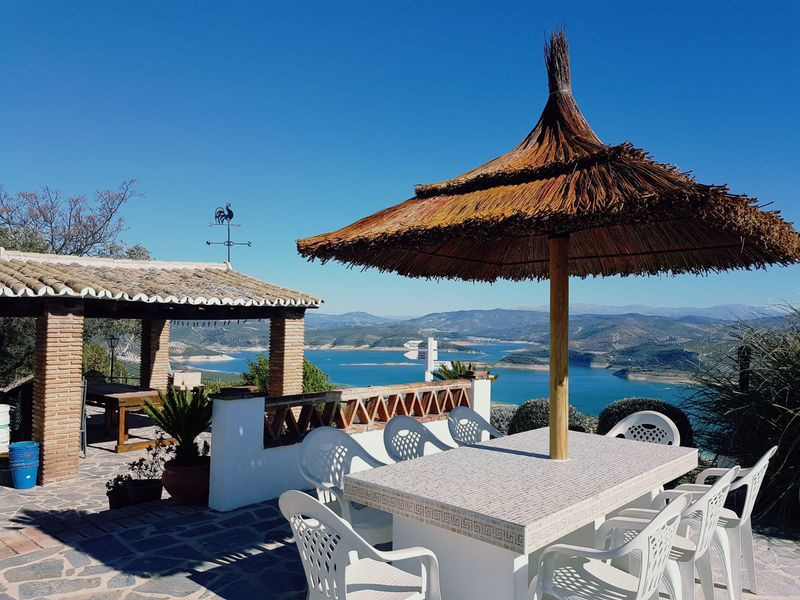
[183,414]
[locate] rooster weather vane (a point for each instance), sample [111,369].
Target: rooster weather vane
[223,217]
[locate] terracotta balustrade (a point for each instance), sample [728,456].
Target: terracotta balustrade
[355,410]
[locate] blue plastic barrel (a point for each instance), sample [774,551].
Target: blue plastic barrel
[23,458]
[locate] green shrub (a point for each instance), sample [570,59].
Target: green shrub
[742,420]
[619,409]
[97,359]
[257,374]
[535,414]
[501,414]
[183,415]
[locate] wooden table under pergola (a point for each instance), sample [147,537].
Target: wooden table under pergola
[60,291]
[563,204]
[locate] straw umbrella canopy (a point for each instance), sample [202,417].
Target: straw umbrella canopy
[563,204]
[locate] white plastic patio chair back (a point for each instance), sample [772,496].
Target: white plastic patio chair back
[335,556]
[405,438]
[467,426]
[752,479]
[651,546]
[326,456]
[705,511]
[647,426]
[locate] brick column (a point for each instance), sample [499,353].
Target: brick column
[286,340]
[58,390]
[154,366]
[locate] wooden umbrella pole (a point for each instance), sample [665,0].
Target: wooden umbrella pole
[559,352]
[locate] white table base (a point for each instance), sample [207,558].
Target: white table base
[469,569]
[473,570]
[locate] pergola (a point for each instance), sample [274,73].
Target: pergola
[61,291]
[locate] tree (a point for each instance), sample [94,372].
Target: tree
[97,359]
[46,221]
[68,225]
[257,374]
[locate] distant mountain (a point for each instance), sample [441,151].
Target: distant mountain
[725,312]
[316,320]
[620,337]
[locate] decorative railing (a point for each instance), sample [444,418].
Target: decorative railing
[289,418]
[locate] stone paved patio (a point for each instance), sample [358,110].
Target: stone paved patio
[62,542]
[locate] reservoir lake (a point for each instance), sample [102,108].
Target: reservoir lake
[590,389]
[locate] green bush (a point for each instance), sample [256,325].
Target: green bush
[501,414]
[183,415]
[535,414]
[742,419]
[619,409]
[257,374]
[97,359]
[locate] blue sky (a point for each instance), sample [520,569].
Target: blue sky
[308,115]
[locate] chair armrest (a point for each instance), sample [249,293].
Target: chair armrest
[627,522]
[693,488]
[665,497]
[739,481]
[339,495]
[430,566]
[439,443]
[494,432]
[708,473]
[372,461]
[637,513]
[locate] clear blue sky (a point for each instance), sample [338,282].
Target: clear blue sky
[309,115]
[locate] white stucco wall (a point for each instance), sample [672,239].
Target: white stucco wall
[244,472]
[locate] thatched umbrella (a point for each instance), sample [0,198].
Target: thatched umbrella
[563,203]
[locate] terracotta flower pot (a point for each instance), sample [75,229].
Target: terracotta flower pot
[187,484]
[144,490]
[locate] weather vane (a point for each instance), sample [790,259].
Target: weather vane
[223,217]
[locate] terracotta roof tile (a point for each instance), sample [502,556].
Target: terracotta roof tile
[29,274]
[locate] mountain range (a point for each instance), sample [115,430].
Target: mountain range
[648,338]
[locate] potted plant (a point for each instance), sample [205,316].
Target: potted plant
[117,491]
[145,484]
[184,415]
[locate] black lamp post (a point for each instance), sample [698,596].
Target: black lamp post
[112,345]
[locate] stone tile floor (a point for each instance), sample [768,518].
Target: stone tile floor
[61,541]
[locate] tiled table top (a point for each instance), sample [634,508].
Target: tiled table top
[507,492]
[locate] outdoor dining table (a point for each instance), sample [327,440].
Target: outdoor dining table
[119,399]
[487,510]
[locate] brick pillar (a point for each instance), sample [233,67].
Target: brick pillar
[286,339]
[58,390]
[154,366]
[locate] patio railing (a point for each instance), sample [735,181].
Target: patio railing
[355,410]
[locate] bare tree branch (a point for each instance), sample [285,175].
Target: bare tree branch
[68,225]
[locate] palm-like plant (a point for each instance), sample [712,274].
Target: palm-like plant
[458,370]
[183,414]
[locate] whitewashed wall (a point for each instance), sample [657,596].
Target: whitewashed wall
[244,472]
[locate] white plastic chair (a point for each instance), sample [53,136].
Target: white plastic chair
[572,572]
[405,438]
[647,426]
[340,565]
[688,555]
[467,427]
[735,529]
[326,456]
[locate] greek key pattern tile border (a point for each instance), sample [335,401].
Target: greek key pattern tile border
[492,531]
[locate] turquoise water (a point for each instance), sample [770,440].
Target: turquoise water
[590,389]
